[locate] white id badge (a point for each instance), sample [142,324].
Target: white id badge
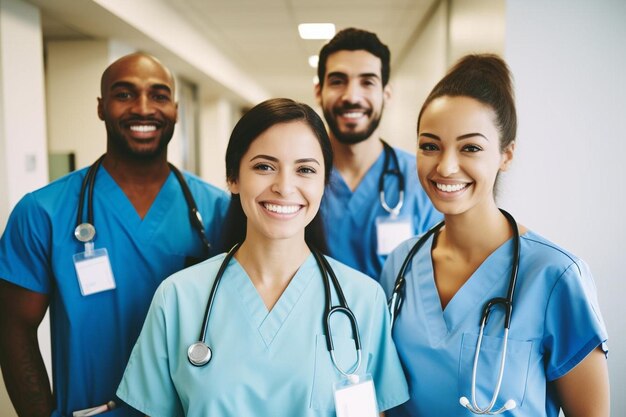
[94,271]
[391,231]
[356,397]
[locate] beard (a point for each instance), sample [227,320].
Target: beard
[126,146]
[351,138]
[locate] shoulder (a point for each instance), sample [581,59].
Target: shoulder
[195,276]
[405,158]
[537,250]
[561,271]
[53,196]
[351,278]
[404,155]
[198,185]
[394,262]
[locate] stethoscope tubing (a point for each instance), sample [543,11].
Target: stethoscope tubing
[88,185]
[397,298]
[199,353]
[390,153]
[209,306]
[342,308]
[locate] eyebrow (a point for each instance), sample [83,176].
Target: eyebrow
[465,136]
[274,159]
[129,85]
[344,75]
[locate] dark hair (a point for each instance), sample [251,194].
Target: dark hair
[256,121]
[352,39]
[486,78]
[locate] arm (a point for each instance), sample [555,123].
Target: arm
[21,312]
[584,391]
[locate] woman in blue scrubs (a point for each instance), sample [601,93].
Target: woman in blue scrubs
[555,354]
[269,352]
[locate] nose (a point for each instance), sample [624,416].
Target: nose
[143,105]
[352,92]
[283,184]
[448,164]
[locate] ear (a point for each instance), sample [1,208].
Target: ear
[507,156]
[100,109]
[317,89]
[176,106]
[387,92]
[233,187]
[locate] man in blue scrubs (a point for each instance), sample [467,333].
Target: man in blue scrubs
[99,296]
[353,72]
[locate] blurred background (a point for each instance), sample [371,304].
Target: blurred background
[567,57]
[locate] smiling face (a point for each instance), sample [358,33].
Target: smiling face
[137,107]
[281,182]
[459,154]
[352,95]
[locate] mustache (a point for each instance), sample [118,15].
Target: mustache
[141,119]
[348,106]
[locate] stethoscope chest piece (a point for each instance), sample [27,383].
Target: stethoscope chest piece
[85,232]
[199,353]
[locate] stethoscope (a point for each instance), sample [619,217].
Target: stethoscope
[389,155]
[86,231]
[199,353]
[397,296]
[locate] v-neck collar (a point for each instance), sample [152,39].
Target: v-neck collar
[120,204]
[476,290]
[358,198]
[269,323]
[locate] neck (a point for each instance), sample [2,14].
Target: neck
[475,234]
[354,160]
[136,171]
[271,264]
[140,180]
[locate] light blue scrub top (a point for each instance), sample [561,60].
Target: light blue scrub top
[556,322]
[350,217]
[264,363]
[92,336]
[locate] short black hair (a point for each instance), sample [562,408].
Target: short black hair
[352,39]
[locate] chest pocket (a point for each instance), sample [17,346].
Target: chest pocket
[325,374]
[516,368]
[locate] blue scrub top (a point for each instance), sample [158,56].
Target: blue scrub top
[265,363]
[92,336]
[350,217]
[556,322]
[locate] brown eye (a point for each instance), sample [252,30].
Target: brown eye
[428,147]
[306,170]
[472,148]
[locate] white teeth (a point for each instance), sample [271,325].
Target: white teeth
[352,115]
[143,128]
[450,188]
[281,209]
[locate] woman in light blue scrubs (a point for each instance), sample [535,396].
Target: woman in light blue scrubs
[555,354]
[266,332]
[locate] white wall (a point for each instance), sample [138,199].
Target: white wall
[413,78]
[217,121]
[23,162]
[22,118]
[455,28]
[73,85]
[568,59]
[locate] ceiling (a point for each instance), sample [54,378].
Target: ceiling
[261,37]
